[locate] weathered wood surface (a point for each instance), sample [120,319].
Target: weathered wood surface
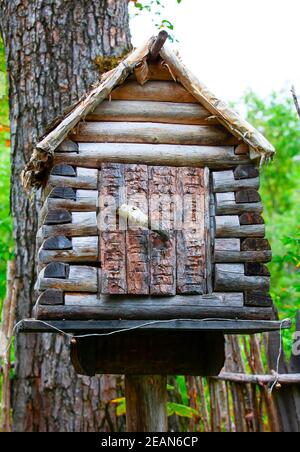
[79,279]
[67,146]
[157,45]
[146,403]
[242,149]
[140,111]
[224,181]
[255,244]
[259,379]
[112,232]
[137,239]
[190,238]
[242,256]
[86,178]
[50,297]
[64,170]
[57,216]
[157,72]
[155,133]
[74,201]
[246,172]
[83,224]
[232,277]
[247,195]
[227,205]
[229,250]
[161,91]
[229,226]
[207,230]
[59,242]
[93,154]
[255,268]
[216,299]
[142,353]
[162,253]
[84,249]
[259,298]
[251,218]
[102,326]
[162,312]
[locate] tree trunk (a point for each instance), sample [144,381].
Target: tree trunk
[51,46]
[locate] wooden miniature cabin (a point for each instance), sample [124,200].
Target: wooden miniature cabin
[151,206]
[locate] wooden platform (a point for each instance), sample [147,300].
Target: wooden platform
[78,327]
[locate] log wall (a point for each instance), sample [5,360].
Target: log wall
[141,143]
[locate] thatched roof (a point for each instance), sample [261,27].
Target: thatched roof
[37,169]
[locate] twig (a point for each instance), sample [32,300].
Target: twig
[259,379]
[296,102]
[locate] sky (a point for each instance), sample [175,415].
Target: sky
[232,45]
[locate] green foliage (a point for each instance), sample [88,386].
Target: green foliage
[6,242]
[156,8]
[173,408]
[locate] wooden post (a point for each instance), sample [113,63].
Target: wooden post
[146,403]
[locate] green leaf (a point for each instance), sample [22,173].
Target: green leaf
[181,410]
[121,405]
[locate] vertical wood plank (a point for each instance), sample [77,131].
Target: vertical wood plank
[162,191]
[190,238]
[112,230]
[137,239]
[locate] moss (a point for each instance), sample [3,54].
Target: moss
[106,63]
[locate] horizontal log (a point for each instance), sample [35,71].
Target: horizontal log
[163,312]
[245,172]
[86,178]
[83,224]
[135,302]
[242,256]
[79,204]
[57,216]
[224,181]
[79,278]
[247,195]
[154,133]
[227,245]
[251,218]
[67,146]
[255,244]
[59,242]
[160,91]
[84,249]
[260,380]
[92,155]
[160,112]
[229,226]
[104,326]
[56,270]
[254,268]
[63,170]
[242,149]
[226,205]
[63,193]
[232,277]
[259,298]
[51,297]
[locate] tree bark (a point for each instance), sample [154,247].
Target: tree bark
[51,46]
